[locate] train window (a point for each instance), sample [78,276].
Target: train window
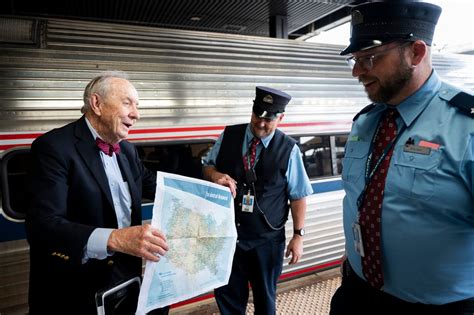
[182,159]
[322,154]
[14,168]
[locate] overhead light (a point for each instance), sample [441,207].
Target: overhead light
[234,28]
[195,18]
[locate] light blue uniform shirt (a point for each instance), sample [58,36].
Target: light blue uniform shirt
[97,242]
[427,229]
[299,185]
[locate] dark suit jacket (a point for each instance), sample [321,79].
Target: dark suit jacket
[70,197]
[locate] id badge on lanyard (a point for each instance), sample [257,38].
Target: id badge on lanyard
[247,202]
[357,235]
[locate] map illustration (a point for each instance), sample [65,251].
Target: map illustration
[197,218]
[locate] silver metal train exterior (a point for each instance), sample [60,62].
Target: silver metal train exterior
[191,84]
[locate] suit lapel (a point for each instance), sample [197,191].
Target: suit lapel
[91,157]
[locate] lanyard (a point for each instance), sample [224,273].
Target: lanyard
[369,174]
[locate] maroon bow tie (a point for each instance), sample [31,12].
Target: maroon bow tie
[107,148]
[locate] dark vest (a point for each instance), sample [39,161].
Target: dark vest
[271,185]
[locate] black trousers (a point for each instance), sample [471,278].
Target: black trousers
[356,296]
[261,266]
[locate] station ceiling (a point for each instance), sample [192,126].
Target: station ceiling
[245,17]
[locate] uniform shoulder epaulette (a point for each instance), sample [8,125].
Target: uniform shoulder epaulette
[464,102]
[364,110]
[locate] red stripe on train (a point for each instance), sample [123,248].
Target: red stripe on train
[310,269]
[27,145]
[173,130]
[179,129]
[175,137]
[20,136]
[32,136]
[9,146]
[218,128]
[215,135]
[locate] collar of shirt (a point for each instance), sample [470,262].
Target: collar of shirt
[414,105]
[94,133]
[249,136]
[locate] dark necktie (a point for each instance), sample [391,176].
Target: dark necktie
[107,148]
[252,154]
[371,210]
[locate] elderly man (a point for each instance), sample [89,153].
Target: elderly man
[408,173]
[263,168]
[84,222]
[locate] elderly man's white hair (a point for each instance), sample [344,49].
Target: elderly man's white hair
[100,85]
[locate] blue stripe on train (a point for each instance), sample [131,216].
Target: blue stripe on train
[327,186]
[10,231]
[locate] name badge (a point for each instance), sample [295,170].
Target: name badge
[412,148]
[247,203]
[358,244]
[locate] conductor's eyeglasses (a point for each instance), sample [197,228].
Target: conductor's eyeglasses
[367,62]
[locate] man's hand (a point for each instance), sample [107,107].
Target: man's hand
[211,174]
[295,247]
[142,241]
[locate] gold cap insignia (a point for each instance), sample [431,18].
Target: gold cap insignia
[268,99]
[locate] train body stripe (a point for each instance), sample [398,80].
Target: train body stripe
[11,231]
[24,139]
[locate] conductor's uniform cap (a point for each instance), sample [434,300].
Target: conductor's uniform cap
[269,103]
[377,23]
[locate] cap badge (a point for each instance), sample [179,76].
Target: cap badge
[268,99]
[357,17]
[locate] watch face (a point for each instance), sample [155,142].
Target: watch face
[299,232]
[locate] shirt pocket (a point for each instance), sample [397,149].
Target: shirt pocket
[355,158]
[413,175]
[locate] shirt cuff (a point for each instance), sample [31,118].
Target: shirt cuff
[97,244]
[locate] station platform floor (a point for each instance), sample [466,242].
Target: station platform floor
[310,294]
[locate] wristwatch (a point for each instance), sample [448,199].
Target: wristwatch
[299,232]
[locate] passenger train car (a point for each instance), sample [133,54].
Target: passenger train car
[191,85]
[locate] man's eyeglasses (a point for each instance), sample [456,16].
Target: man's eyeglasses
[367,62]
